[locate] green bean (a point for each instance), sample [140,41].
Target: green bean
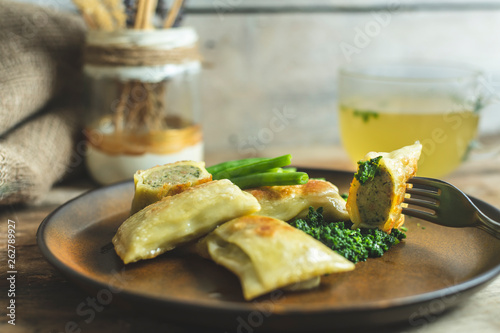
[276,170]
[282,170]
[256,167]
[231,164]
[270,179]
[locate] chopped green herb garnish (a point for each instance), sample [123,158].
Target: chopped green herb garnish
[355,245]
[367,170]
[366,115]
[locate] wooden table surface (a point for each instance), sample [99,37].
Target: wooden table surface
[46,302]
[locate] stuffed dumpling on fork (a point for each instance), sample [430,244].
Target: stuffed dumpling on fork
[378,188]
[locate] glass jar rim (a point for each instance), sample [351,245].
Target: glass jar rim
[410,71]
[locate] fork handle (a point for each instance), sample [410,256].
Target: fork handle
[489,225]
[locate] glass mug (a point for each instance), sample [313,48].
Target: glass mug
[384,107]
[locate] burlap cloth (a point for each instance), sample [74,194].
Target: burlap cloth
[40,62]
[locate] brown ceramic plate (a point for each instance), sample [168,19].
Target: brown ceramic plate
[434,269]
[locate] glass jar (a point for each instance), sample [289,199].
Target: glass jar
[142,101]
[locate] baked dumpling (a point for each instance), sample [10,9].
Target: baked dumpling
[266,254]
[375,198]
[293,201]
[163,180]
[181,218]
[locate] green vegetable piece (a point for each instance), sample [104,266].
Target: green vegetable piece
[367,170]
[231,164]
[255,167]
[279,170]
[355,245]
[255,172]
[270,179]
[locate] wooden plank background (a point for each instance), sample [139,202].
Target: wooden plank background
[278,59]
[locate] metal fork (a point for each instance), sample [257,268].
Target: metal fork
[447,204]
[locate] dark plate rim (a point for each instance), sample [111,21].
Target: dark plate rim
[237,307]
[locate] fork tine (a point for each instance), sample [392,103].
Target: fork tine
[431,217]
[422,203]
[431,184]
[423,187]
[423,192]
[427,182]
